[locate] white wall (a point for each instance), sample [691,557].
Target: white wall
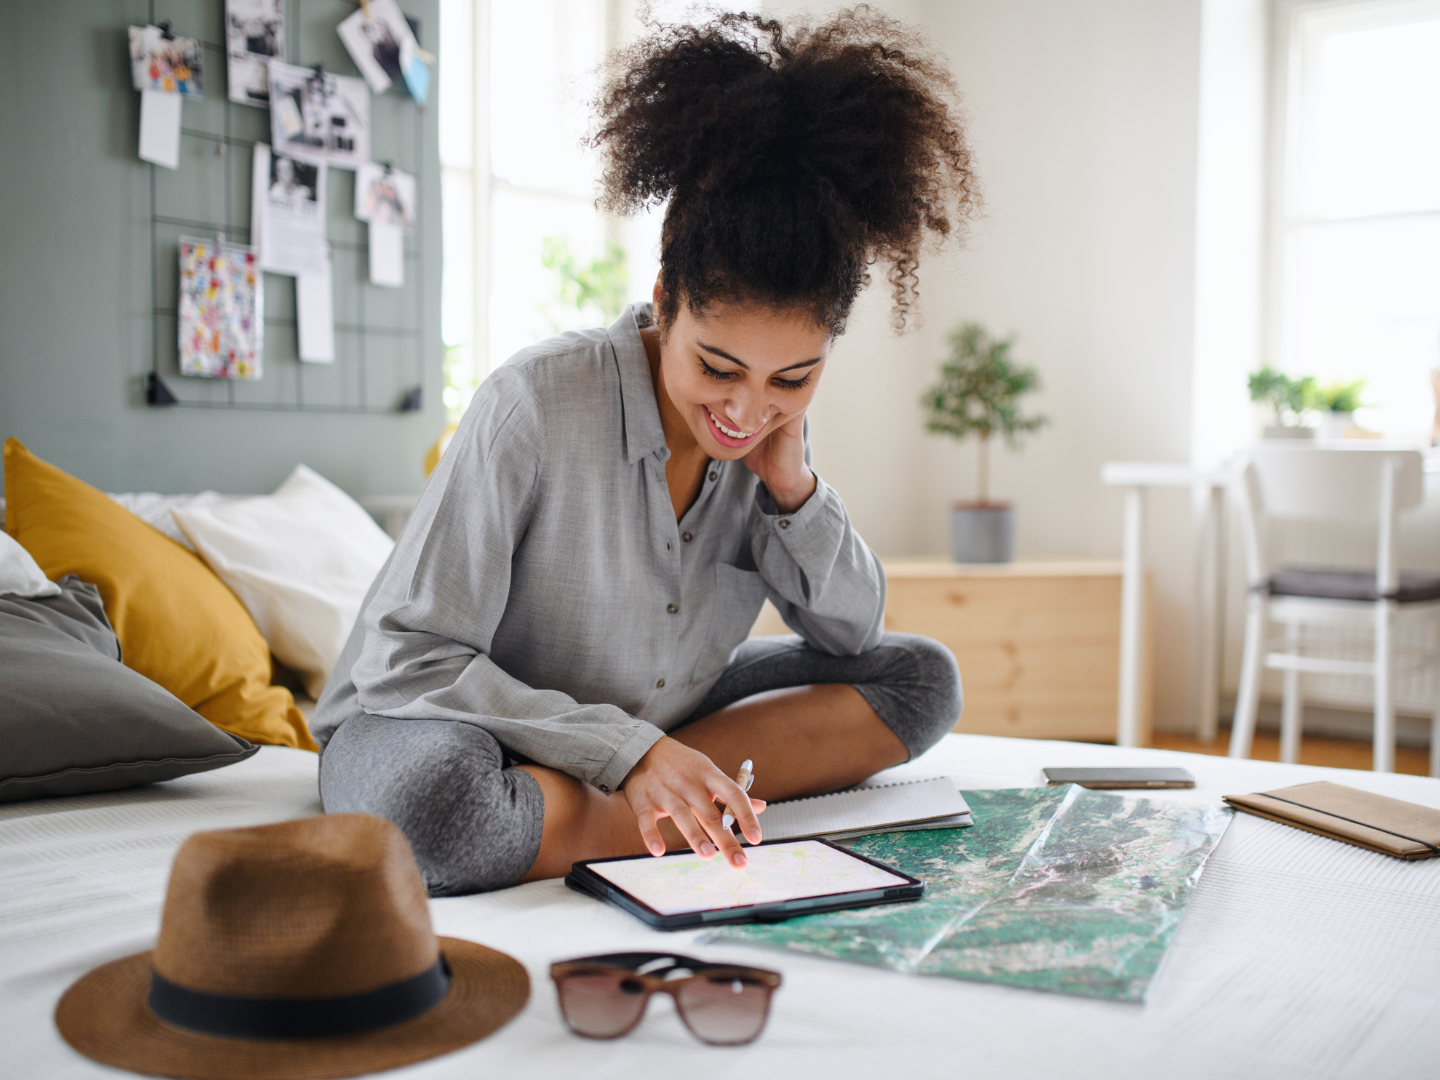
[1084,122]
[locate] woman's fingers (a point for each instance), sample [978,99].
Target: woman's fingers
[739,805]
[648,818]
[694,834]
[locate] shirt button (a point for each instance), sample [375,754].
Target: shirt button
[659,684]
[667,545]
[713,475]
[671,608]
[687,537]
[784,523]
[604,789]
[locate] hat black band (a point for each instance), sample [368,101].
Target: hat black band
[298,1018]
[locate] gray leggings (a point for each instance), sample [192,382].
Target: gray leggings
[474,820]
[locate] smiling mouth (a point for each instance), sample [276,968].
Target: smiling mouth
[728,431]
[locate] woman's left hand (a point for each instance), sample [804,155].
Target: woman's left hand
[779,462]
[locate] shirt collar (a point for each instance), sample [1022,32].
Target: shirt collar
[643,432]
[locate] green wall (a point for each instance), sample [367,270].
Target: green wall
[76,333]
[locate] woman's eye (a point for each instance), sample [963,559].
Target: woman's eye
[716,373]
[792,384]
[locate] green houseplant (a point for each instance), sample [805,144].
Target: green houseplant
[978,395]
[1288,398]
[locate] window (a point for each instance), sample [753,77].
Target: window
[1356,240]
[527,255]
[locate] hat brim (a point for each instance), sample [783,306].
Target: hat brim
[105,1016]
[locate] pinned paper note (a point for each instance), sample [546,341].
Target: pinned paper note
[161,61]
[379,38]
[315,315]
[254,32]
[385,197]
[288,213]
[387,254]
[319,117]
[160,128]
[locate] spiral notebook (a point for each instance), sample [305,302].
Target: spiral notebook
[915,804]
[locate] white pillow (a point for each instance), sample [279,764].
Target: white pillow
[155,509]
[300,560]
[20,575]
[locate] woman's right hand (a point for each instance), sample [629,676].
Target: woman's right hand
[674,781]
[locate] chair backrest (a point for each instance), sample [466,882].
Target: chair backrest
[1362,485]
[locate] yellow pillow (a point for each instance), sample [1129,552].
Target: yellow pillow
[177,622]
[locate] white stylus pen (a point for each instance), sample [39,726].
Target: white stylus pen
[743,779]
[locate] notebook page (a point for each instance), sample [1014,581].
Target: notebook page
[863,808]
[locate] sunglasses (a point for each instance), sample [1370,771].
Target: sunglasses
[604,997]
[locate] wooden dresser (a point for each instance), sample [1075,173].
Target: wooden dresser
[1038,643]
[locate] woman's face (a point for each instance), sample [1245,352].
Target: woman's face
[738,371]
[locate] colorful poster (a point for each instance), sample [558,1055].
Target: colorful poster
[254,32]
[220,310]
[316,116]
[160,62]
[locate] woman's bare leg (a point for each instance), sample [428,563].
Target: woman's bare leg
[803,740]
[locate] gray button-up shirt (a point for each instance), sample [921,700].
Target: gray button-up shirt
[544,591]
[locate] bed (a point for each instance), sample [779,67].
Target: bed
[1298,956]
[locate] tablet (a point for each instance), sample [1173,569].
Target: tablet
[784,878]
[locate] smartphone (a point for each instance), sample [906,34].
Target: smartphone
[1122,778]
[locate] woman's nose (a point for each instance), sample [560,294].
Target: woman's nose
[745,413]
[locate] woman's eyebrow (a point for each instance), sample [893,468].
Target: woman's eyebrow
[736,360]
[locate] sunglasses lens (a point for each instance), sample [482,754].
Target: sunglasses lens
[725,1010]
[601,1005]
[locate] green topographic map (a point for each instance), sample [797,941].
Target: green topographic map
[1062,889]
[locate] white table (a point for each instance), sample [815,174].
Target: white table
[1136,477]
[1298,957]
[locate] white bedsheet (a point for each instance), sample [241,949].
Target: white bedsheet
[1298,957]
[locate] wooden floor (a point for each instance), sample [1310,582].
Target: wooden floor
[1334,753]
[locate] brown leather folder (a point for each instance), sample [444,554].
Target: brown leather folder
[1389,826]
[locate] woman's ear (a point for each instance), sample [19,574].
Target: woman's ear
[657,300]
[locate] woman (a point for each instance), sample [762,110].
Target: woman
[553,665]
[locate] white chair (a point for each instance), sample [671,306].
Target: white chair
[1339,486]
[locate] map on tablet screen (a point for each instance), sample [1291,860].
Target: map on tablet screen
[684,882]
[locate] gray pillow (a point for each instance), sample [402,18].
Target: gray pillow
[73,719]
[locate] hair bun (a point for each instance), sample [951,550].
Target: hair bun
[793,157]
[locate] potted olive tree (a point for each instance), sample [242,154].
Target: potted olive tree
[978,395]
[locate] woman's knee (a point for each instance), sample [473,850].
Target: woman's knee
[472,824]
[919,694]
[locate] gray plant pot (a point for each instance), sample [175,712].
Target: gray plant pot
[982,532]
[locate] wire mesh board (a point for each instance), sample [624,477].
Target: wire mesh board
[379,332]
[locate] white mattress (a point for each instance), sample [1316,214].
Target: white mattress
[1298,957]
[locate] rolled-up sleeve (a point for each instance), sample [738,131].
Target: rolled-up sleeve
[827,584]
[429,627]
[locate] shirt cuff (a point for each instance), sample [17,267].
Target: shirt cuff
[791,528]
[636,746]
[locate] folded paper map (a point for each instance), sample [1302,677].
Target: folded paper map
[1062,889]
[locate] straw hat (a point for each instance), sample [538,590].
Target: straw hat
[298,950]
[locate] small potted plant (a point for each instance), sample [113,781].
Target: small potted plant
[1288,398]
[1337,402]
[978,395]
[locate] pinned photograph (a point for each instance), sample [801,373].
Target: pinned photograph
[254,33]
[220,310]
[382,43]
[317,116]
[160,61]
[288,213]
[385,196]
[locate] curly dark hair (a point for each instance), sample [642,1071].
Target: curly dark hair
[793,155]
